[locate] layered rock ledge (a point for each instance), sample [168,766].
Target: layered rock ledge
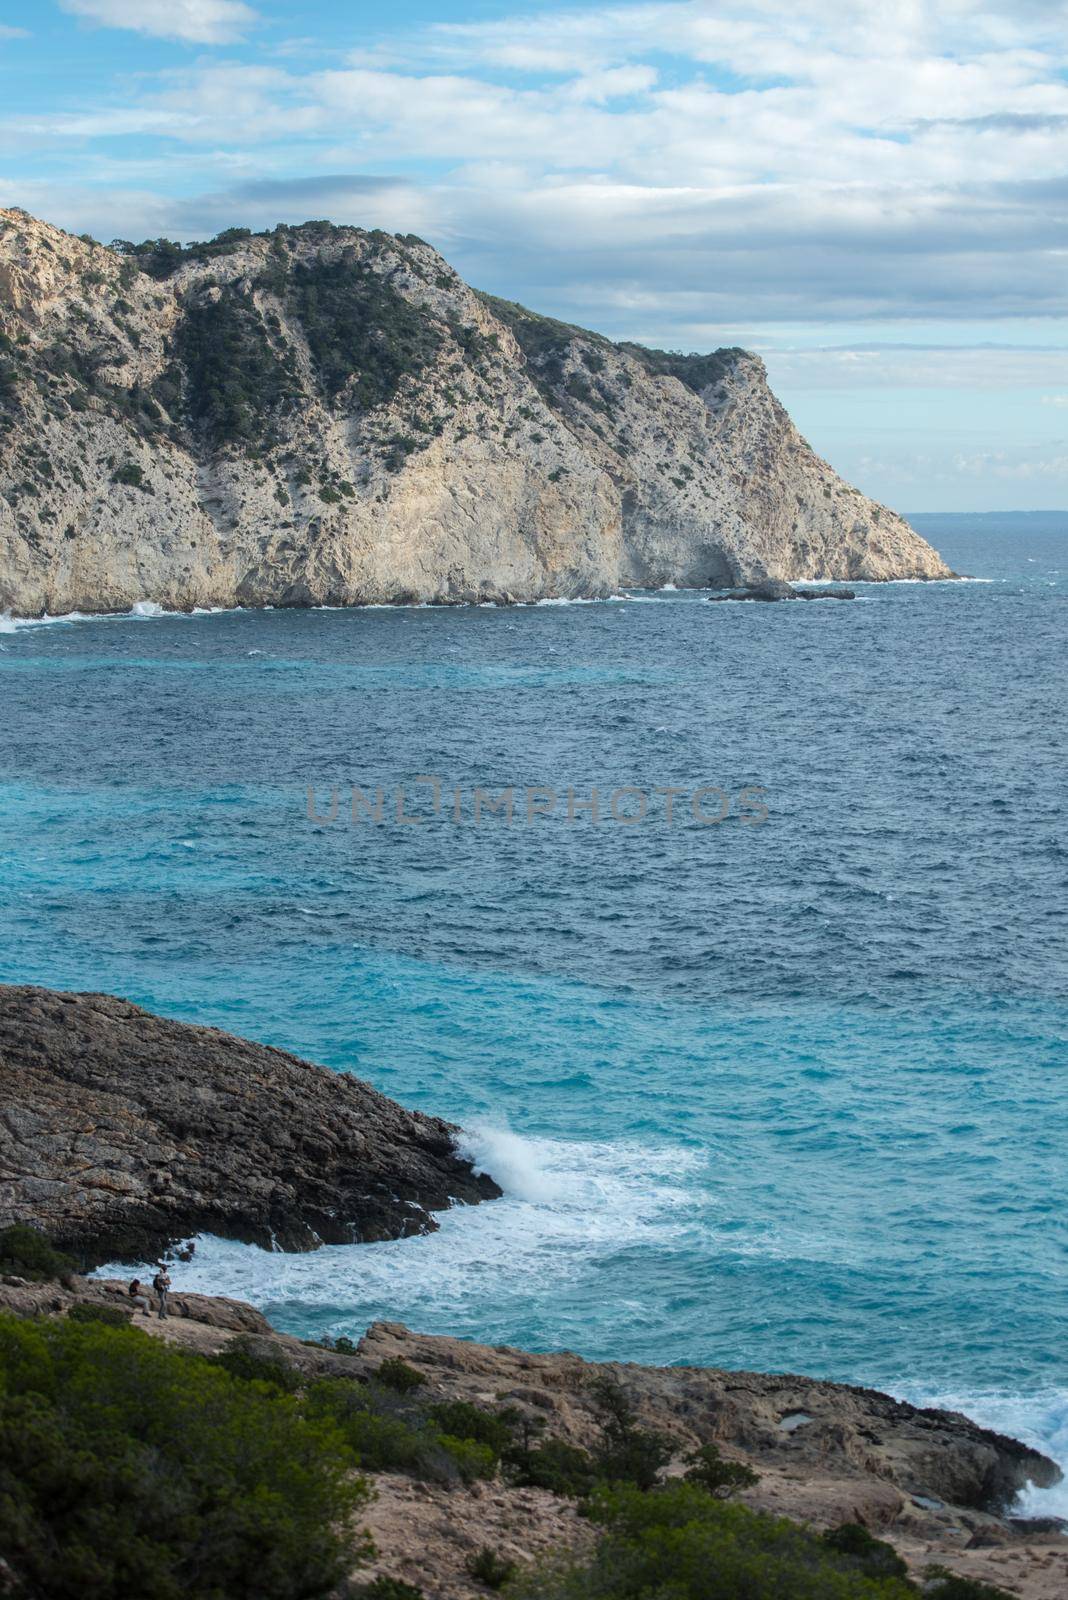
[123,1132]
[933,1483]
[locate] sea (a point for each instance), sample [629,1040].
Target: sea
[769,1056]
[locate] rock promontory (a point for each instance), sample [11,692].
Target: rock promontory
[324,415]
[122,1132]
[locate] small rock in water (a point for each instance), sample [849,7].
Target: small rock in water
[776,589]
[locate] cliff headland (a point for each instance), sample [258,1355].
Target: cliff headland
[320,415]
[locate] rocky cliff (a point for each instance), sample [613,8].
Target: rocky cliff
[122,1132]
[322,415]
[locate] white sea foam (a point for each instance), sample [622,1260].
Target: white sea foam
[566,1205]
[521,1166]
[10,624]
[1039,1419]
[139,611]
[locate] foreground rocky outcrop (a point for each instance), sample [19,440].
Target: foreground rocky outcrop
[122,1132]
[322,415]
[932,1483]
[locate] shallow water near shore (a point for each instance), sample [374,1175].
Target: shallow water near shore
[788,1096]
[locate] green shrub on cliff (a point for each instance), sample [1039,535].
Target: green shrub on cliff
[461,1420]
[872,1556]
[359,329]
[710,1471]
[110,1316]
[552,1464]
[397,1374]
[949,1586]
[385,1589]
[628,1453]
[237,380]
[257,1362]
[680,1542]
[391,1432]
[25,1253]
[128,1467]
[491,1568]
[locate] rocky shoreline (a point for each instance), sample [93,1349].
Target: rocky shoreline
[123,1133]
[932,1483]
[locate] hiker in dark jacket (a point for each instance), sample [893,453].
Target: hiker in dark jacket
[162,1285]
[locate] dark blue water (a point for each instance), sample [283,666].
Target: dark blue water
[785,1094]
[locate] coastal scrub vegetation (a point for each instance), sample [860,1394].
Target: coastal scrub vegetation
[161,258]
[543,340]
[130,1467]
[696,371]
[546,342]
[236,378]
[26,1253]
[360,331]
[680,1541]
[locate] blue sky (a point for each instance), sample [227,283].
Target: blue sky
[872,195]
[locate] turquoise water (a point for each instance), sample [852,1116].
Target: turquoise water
[787,1095]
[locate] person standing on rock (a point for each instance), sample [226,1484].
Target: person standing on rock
[162,1285]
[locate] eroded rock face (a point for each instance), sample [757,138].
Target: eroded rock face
[328,416]
[122,1132]
[774,1419]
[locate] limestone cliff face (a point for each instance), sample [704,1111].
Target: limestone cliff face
[322,415]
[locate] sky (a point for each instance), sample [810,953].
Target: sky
[872,194]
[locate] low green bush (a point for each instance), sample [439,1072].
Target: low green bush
[628,1453]
[397,1374]
[680,1543]
[386,1589]
[949,1586]
[471,1459]
[491,1569]
[553,1464]
[873,1556]
[465,1421]
[708,1470]
[110,1316]
[253,1362]
[132,475]
[130,1467]
[26,1253]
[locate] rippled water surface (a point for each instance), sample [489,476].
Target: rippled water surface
[788,1095]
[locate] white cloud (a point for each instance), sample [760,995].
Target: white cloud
[13,33]
[1008,465]
[754,161]
[1055,399]
[192,21]
[974,368]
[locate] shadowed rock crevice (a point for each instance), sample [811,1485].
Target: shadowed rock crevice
[123,1132]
